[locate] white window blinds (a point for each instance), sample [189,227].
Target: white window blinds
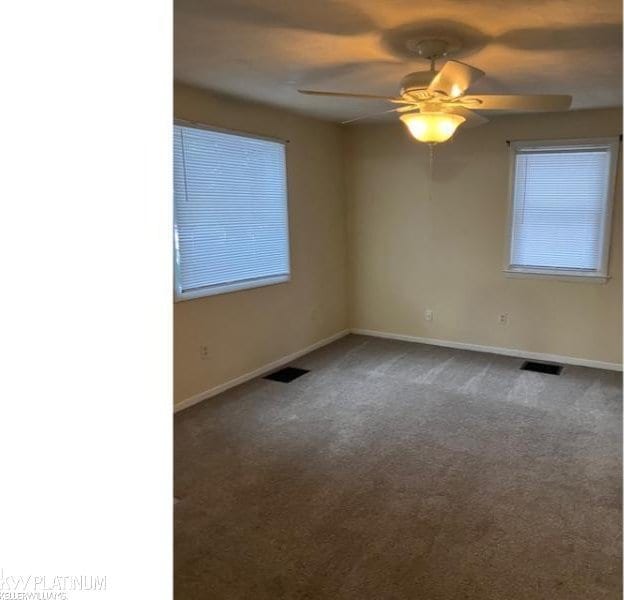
[231,221]
[561,196]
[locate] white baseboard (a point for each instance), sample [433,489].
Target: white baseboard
[567,360]
[256,372]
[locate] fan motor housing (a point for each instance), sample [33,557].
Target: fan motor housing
[414,85]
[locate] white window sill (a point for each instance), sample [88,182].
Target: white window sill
[578,276]
[231,287]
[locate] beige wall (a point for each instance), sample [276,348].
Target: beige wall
[248,329]
[408,253]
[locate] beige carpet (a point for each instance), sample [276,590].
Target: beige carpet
[402,471]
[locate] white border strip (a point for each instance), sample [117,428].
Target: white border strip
[256,372]
[568,360]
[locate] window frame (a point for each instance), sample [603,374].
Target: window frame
[248,284]
[601,275]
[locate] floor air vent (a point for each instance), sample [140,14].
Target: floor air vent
[287,374]
[539,367]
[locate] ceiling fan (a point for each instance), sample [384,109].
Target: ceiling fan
[433,104]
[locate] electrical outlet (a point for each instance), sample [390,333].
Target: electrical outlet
[203,352]
[428,315]
[503,319]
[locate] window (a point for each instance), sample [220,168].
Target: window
[230,212]
[561,207]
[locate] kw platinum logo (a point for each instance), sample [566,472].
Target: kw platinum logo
[46,587]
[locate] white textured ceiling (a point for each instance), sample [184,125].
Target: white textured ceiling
[265,49]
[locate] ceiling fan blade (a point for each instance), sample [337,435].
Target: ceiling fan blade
[348,95]
[516,102]
[454,78]
[472,118]
[383,112]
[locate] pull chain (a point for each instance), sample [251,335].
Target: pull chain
[431,171]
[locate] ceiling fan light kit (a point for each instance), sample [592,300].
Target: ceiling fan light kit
[432,127]
[434,103]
